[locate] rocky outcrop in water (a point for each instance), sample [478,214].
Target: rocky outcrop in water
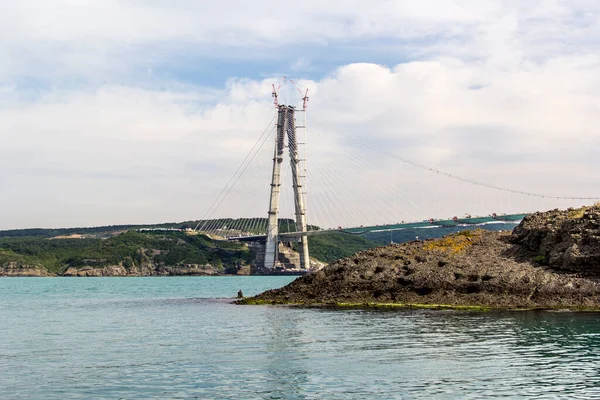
[551,260]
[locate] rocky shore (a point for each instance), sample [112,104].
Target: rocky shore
[14,269]
[550,261]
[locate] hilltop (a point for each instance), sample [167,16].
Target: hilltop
[550,260]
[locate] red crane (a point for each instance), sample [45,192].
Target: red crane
[304,95]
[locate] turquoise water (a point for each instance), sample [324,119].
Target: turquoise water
[180,338]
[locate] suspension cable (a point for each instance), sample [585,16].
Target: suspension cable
[382,150]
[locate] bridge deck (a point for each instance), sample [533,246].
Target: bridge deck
[439,223]
[393,227]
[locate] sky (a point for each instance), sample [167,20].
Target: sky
[131,111]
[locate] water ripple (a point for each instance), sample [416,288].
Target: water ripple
[182,338]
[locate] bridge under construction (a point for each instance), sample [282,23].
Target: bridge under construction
[353,192]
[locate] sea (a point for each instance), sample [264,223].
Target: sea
[182,338]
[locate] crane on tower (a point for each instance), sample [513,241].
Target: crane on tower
[304,95]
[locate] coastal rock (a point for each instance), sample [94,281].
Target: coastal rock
[244,270]
[550,261]
[188,269]
[114,270]
[565,240]
[89,271]
[142,270]
[110,270]
[16,269]
[71,271]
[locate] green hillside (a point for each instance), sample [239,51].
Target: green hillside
[130,248]
[329,247]
[114,245]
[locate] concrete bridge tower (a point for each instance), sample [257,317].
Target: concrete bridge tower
[286,128]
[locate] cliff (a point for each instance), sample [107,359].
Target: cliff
[20,269]
[551,260]
[143,270]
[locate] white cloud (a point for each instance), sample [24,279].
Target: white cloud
[147,155]
[104,40]
[494,91]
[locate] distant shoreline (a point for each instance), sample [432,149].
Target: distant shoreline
[42,274]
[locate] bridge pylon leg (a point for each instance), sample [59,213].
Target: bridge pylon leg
[271,247]
[286,127]
[298,189]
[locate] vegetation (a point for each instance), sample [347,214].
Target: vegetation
[9,256]
[122,244]
[329,247]
[133,248]
[130,248]
[541,259]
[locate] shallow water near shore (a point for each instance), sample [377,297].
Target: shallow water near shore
[180,337]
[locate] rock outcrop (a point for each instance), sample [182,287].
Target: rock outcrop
[111,270]
[552,260]
[14,269]
[142,270]
[564,240]
[18,269]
